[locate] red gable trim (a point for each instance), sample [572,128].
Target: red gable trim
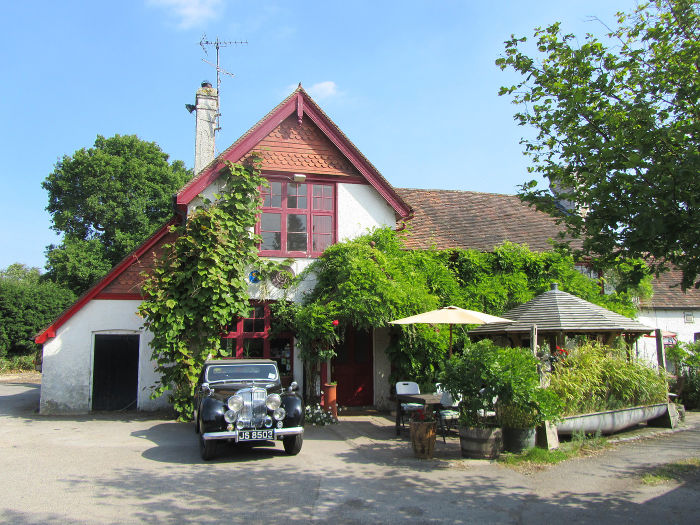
[95,291]
[302,104]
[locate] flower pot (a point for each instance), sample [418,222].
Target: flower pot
[518,439]
[329,399]
[423,439]
[480,443]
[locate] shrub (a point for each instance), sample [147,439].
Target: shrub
[484,373]
[595,378]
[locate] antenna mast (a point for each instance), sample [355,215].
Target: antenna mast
[218,44]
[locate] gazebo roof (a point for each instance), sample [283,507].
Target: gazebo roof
[557,311]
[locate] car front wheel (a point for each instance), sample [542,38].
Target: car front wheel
[207,448]
[292,444]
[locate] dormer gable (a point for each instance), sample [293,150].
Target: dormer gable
[297,136]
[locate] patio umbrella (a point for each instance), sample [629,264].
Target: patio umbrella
[451,315]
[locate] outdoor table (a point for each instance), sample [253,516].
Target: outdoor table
[427,400]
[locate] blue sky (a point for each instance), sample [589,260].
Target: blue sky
[412,83]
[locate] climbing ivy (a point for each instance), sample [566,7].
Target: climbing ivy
[199,284]
[373,279]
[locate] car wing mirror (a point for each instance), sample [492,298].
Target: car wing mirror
[205,389]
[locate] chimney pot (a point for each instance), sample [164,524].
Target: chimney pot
[554,286]
[206,84]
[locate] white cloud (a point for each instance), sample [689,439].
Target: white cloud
[190,13]
[322,90]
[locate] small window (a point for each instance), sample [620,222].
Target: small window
[688,317]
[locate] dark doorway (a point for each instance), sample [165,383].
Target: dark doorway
[116,372]
[353,369]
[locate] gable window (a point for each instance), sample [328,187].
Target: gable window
[297,218]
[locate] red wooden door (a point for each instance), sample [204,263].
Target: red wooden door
[352,369]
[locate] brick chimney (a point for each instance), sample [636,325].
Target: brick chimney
[207,108]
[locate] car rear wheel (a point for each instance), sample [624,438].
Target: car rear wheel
[292,444]
[207,448]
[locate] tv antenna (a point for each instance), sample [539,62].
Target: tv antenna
[218,44]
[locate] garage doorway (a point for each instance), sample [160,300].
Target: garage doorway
[115,373]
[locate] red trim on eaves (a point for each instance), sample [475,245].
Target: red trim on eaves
[299,101]
[95,291]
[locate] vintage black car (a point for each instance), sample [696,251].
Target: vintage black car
[242,400]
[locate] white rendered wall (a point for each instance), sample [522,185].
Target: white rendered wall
[668,320]
[361,208]
[66,385]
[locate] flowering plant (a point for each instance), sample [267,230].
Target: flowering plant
[317,416]
[423,416]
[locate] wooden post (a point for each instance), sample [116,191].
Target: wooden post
[533,339]
[660,354]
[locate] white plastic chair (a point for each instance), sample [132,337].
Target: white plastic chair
[408,387]
[448,414]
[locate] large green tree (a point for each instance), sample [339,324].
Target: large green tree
[106,200]
[28,303]
[616,121]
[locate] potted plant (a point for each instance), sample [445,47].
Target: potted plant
[423,434]
[469,377]
[522,403]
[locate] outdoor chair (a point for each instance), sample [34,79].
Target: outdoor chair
[408,387]
[448,414]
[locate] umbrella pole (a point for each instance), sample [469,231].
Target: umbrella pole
[450,354]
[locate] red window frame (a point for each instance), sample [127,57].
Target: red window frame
[257,327]
[318,195]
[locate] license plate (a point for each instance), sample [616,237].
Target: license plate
[254,435]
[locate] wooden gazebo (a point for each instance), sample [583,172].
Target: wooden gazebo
[554,315]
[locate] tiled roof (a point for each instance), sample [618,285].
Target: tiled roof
[668,293]
[557,311]
[472,220]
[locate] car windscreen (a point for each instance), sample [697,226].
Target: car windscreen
[243,372]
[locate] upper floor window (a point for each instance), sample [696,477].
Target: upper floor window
[297,218]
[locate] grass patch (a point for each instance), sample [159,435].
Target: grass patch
[676,471]
[535,456]
[539,458]
[16,363]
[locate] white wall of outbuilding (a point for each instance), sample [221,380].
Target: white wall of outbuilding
[685,323]
[67,368]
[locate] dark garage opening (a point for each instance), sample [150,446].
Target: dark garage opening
[115,372]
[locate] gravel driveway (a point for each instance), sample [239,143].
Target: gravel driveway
[131,468]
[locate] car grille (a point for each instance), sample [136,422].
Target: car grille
[254,409]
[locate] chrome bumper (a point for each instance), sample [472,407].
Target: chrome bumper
[279,433]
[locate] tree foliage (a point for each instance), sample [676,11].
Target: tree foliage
[106,200]
[617,132]
[371,280]
[199,285]
[27,305]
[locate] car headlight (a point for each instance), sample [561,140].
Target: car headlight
[235,403]
[273,401]
[230,416]
[280,413]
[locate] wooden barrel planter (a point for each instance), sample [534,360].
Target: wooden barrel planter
[423,439]
[518,439]
[480,443]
